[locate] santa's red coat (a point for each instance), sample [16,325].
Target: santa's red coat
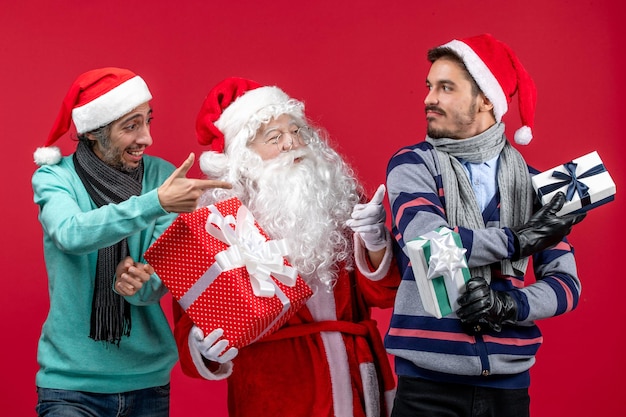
[328,360]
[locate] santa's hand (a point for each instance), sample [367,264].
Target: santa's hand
[368,221]
[209,346]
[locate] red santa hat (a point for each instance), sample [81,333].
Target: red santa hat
[95,99]
[230,106]
[499,74]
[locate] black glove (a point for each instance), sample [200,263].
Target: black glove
[480,305]
[544,229]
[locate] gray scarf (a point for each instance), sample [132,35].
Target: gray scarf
[516,195]
[110,312]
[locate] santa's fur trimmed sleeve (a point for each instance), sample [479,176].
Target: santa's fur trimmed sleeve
[362,262]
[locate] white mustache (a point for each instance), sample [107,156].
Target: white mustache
[287,159]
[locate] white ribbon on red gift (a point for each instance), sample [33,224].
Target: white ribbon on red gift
[446,258]
[262,258]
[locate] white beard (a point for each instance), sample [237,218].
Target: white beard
[307,203]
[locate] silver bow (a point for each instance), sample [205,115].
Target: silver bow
[445,257]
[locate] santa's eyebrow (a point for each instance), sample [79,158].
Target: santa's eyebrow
[277,128]
[269,131]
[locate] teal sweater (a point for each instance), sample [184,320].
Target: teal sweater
[74,229]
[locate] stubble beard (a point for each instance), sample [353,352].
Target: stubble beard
[460,121]
[113,156]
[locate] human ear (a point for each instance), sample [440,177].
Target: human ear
[485,103]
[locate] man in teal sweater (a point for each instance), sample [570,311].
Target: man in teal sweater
[106,346]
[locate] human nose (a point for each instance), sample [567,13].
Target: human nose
[289,141]
[295,141]
[145,137]
[431,97]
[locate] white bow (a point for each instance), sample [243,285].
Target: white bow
[248,247]
[445,257]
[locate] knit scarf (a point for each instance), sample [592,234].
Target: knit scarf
[110,312]
[513,182]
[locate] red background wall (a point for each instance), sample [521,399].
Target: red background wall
[360,67]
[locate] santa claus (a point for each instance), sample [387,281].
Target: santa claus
[328,360]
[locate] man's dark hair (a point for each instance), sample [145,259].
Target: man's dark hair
[102,134]
[444,52]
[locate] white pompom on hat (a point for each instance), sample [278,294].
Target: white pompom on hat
[499,74]
[95,99]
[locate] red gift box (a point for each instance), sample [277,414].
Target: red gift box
[226,273]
